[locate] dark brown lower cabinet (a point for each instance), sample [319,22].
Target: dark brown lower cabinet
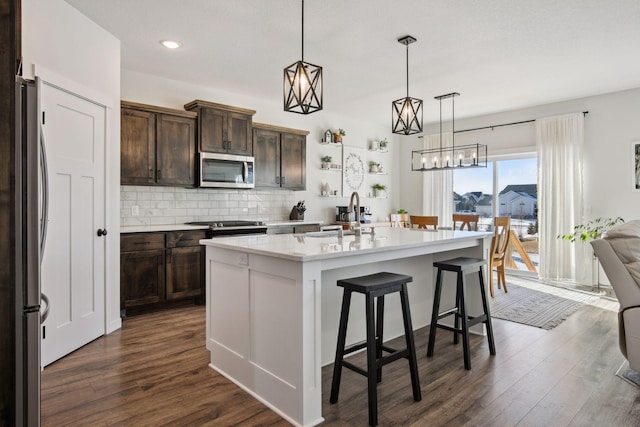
[184,272]
[141,278]
[160,270]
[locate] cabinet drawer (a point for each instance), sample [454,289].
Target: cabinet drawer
[182,239]
[141,241]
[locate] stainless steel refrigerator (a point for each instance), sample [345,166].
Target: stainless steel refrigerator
[31,202]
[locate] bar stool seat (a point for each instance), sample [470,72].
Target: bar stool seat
[462,266]
[375,287]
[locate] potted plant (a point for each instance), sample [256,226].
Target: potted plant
[373,166]
[383,144]
[326,162]
[337,136]
[591,230]
[378,190]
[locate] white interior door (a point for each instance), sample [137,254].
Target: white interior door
[73,263]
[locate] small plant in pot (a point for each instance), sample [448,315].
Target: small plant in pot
[378,190]
[326,162]
[337,136]
[383,144]
[373,166]
[591,230]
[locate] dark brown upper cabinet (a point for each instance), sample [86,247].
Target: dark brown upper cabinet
[157,146]
[223,128]
[280,157]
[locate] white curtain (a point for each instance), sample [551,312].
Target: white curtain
[559,142]
[437,198]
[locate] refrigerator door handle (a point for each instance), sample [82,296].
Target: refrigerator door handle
[45,194]
[45,313]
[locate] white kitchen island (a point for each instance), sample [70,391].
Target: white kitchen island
[273,305]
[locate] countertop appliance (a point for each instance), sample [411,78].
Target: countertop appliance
[231,227]
[342,214]
[226,171]
[29,235]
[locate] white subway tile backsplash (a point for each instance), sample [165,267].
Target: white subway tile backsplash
[129,195]
[169,205]
[186,204]
[197,196]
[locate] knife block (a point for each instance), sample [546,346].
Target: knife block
[296,214]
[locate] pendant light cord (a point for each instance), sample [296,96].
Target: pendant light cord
[303,31]
[440,128]
[453,125]
[407,70]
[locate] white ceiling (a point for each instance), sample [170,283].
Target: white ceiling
[499,54]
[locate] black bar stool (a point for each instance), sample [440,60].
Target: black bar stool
[375,286]
[462,266]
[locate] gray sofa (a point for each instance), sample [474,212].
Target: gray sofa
[619,254]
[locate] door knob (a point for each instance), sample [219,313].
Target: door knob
[102,232]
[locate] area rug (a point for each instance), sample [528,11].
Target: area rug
[531,307]
[628,374]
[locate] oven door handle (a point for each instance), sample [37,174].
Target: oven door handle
[245,172]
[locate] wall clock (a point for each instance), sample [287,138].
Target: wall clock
[353,170]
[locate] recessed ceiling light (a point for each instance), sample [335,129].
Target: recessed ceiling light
[170,44]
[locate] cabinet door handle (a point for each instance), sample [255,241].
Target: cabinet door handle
[151,173]
[159,173]
[277,180]
[101,232]
[282,180]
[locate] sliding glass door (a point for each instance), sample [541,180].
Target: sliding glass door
[507,187]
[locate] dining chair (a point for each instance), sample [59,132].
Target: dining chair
[466,220]
[418,221]
[499,248]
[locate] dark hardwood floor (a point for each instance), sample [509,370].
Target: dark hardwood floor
[154,372]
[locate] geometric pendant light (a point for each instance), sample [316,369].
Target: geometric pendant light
[406,113]
[302,84]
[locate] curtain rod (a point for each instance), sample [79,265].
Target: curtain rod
[584,113]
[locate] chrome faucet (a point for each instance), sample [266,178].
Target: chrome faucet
[357,229]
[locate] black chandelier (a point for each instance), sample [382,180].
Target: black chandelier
[452,157]
[302,84]
[406,113]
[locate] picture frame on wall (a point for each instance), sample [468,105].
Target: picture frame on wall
[635,159]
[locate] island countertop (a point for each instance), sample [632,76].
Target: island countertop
[309,246]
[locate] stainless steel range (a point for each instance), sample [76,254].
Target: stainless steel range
[231,228]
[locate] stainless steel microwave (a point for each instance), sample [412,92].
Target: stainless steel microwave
[226,171]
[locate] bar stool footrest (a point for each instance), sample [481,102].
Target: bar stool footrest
[449,312]
[355,368]
[355,347]
[393,357]
[471,321]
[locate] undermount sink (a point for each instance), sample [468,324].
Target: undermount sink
[332,233]
[321,233]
